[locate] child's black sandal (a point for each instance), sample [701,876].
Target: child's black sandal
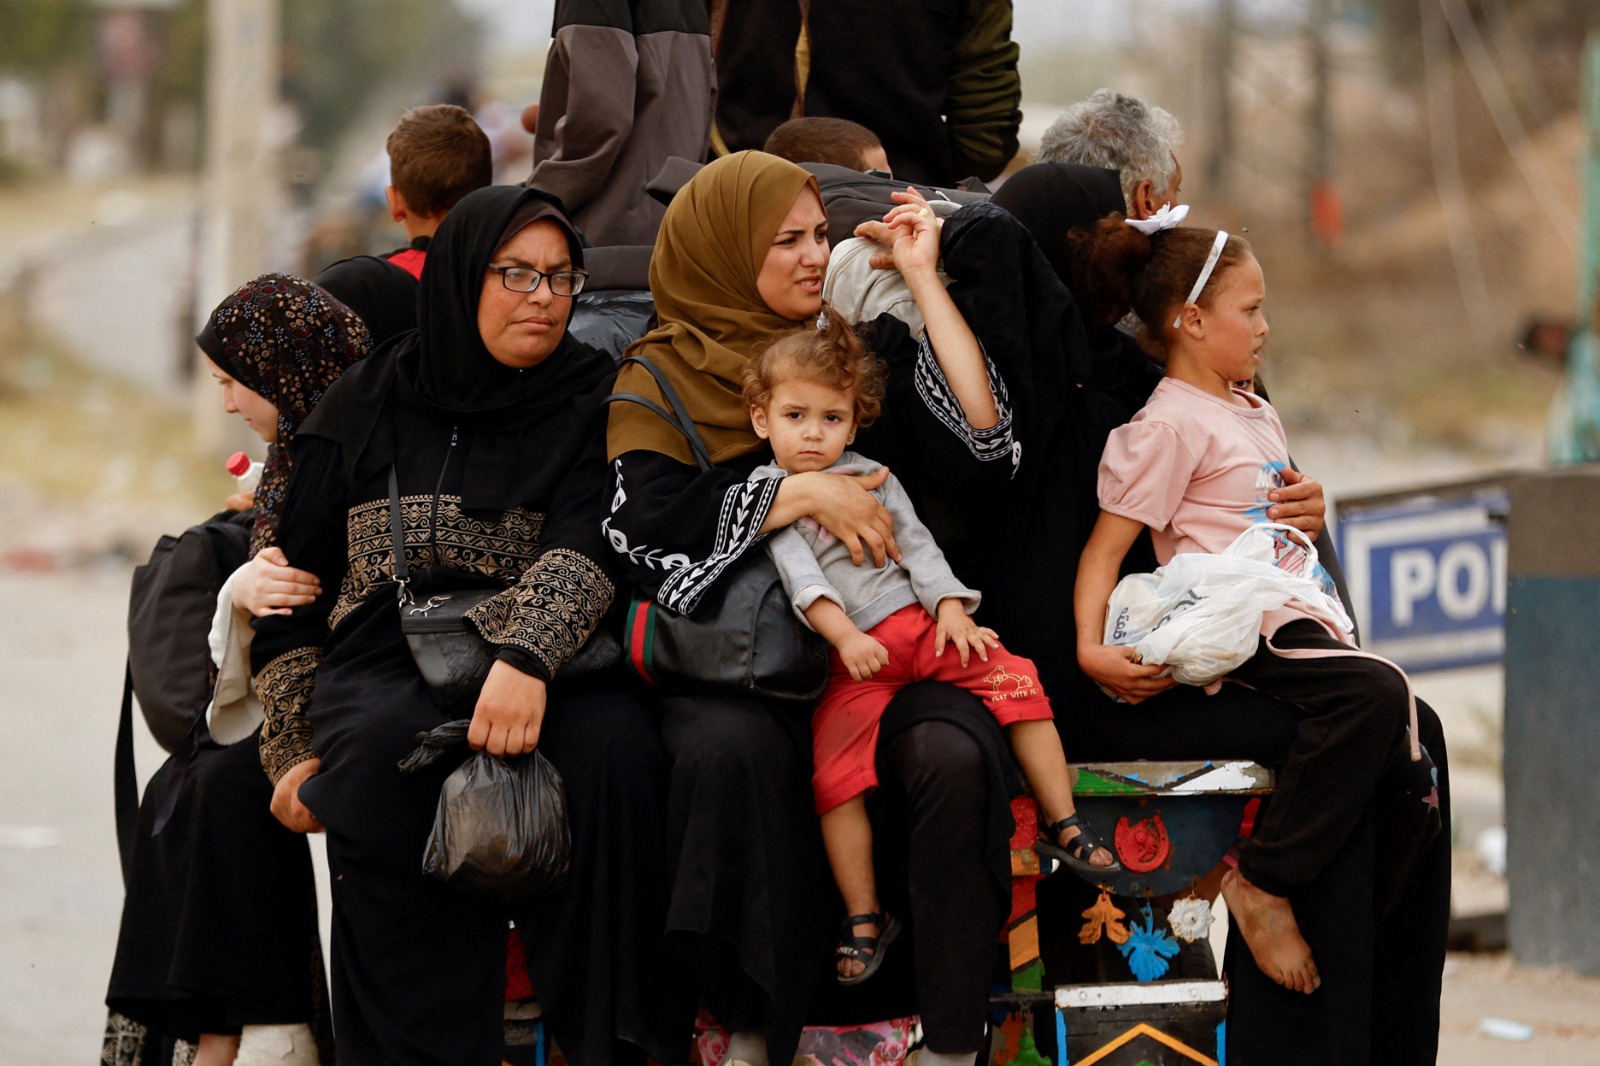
[1079,850]
[867,950]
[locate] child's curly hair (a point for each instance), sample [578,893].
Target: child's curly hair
[833,355]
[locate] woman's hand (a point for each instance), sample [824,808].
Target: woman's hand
[267,585]
[240,501]
[286,805]
[1299,503]
[967,637]
[911,232]
[509,714]
[843,504]
[1111,666]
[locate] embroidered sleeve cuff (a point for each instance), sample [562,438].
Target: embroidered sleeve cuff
[744,509]
[285,686]
[985,445]
[551,611]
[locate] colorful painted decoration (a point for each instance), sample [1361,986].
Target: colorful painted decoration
[1022,927]
[1148,949]
[1190,919]
[1144,845]
[1104,918]
[1028,1053]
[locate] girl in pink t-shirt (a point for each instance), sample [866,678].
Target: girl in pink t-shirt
[1194,466]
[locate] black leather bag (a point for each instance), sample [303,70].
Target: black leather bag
[452,655]
[744,638]
[170,606]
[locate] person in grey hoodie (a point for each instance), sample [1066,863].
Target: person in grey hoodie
[626,85]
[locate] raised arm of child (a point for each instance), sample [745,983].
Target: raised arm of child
[911,231]
[1111,666]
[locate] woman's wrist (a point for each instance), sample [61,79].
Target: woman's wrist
[795,499]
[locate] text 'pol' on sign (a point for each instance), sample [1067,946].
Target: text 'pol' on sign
[1427,573]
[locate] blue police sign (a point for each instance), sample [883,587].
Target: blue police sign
[1427,573]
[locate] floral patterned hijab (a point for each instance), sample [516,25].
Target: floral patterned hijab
[288,340]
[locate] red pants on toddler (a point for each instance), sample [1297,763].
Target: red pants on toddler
[844,728]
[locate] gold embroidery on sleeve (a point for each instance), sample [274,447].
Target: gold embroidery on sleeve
[285,686]
[551,611]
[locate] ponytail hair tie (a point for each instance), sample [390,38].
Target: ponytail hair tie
[1167,218]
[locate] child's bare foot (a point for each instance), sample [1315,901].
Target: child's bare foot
[1267,924]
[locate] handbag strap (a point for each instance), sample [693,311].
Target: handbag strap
[402,577]
[125,783]
[678,418]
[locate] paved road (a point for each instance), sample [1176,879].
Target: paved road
[137,280]
[60,881]
[60,680]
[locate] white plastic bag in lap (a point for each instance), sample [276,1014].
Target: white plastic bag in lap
[1200,614]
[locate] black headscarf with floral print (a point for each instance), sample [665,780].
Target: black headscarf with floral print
[288,340]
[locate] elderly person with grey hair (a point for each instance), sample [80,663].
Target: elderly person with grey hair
[1122,133]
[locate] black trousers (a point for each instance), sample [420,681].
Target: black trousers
[750,902]
[941,791]
[1353,712]
[418,968]
[1376,921]
[1376,918]
[750,872]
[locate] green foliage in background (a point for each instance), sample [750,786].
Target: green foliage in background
[337,52]
[40,36]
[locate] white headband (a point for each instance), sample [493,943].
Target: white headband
[1205,275]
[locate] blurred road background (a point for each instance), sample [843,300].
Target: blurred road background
[1414,236]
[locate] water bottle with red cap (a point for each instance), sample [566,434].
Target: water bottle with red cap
[246,470]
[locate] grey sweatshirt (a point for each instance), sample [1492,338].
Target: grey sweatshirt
[814,564]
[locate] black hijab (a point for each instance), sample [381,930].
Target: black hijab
[288,340]
[1051,198]
[384,295]
[525,427]
[1010,273]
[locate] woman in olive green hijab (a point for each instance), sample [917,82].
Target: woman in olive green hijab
[739,260]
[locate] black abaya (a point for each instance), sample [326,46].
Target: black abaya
[502,479]
[219,925]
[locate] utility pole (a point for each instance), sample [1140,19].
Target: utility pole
[1220,69]
[1324,212]
[242,180]
[1589,252]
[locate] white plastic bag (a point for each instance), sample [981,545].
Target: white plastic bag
[1200,615]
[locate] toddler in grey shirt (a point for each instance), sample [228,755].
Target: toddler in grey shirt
[889,626]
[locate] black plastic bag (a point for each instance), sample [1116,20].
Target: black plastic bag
[500,833]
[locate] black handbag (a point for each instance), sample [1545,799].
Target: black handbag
[452,655]
[744,638]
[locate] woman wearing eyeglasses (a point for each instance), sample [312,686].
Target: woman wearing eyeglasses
[491,418]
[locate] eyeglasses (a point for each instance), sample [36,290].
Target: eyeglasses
[527,279]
